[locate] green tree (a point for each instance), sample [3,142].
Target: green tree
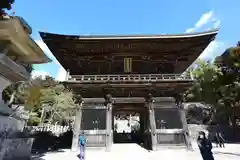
[206,86]
[230,65]
[58,102]
[207,82]
[6,4]
[45,99]
[217,85]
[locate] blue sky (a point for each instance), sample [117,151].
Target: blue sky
[131,17]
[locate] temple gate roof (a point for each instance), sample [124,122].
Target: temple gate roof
[149,53]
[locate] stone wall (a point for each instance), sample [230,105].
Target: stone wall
[19,149]
[10,124]
[194,129]
[11,148]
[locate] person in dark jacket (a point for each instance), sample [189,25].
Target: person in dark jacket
[82,143]
[205,146]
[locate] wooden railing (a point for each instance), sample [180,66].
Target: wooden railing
[129,78]
[96,140]
[170,138]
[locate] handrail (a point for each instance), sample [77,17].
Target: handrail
[129,77]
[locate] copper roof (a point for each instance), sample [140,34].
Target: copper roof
[173,53]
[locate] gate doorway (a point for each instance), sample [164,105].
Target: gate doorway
[131,125]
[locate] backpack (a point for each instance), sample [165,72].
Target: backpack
[82,140]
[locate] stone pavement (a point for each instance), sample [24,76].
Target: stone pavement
[133,151]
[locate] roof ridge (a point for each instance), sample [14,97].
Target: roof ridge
[146,36]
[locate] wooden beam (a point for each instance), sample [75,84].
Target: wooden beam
[152,125]
[129,100]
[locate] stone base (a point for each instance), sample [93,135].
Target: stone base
[19,148]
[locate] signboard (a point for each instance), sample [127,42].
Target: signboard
[127,65]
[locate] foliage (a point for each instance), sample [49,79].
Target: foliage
[219,86]
[197,114]
[9,91]
[205,88]
[58,102]
[6,4]
[43,96]
[34,119]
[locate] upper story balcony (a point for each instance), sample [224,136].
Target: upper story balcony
[130,78]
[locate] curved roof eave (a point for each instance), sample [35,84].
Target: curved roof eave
[171,36]
[43,58]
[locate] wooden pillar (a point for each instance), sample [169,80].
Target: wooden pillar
[185,127]
[142,123]
[184,121]
[109,134]
[77,128]
[150,105]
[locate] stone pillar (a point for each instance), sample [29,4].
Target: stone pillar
[150,105]
[184,121]
[77,128]
[109,134]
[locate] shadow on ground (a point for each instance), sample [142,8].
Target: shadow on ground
[227,153]
[46,142]
[37,157]
[144,147]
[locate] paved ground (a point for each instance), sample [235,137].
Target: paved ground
[133,151]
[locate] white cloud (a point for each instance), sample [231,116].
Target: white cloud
[209,21]
[214,49]
[204,19]
[61,75]
[189,30]
[217,24]
[207,18]
[36,74]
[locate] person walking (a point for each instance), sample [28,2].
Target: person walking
[205,146]
[220,140]
[82,145]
